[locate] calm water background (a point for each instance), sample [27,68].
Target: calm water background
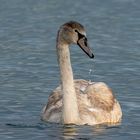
[29,70]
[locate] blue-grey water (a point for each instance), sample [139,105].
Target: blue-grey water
[29,70]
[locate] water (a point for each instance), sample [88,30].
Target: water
[29,70]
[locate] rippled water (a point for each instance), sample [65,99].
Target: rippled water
[29,72]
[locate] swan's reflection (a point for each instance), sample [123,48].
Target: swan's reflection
[70,132]
[86,132]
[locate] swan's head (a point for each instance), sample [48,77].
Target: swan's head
[74,33]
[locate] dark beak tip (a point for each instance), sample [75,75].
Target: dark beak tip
[92,56]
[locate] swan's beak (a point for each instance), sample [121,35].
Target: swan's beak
[83,44]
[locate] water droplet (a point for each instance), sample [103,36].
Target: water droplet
[91,72]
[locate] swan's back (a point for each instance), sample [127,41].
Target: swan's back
[96,104]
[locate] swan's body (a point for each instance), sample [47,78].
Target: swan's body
[78,101]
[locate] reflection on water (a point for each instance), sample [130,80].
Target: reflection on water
[70,132]
[78,132]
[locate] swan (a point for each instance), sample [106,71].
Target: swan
[78,101]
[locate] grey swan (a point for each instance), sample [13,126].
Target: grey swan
[78,101]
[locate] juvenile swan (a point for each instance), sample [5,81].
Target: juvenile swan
[78,101]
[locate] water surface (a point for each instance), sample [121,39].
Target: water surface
[29,70]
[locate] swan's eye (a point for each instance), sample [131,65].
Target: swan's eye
[76,31]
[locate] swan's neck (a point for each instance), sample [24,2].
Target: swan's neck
[70,113]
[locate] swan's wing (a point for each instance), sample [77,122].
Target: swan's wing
[100,96]
[95,94]
[53,110]
[103,105]
[97,103]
